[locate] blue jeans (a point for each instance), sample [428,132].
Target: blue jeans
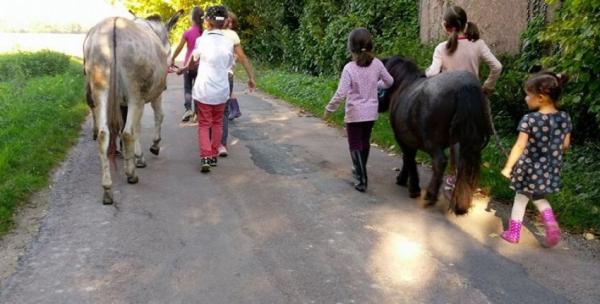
[189,78]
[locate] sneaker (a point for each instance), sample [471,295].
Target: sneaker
[223,151]
[212,161]
[187,115]
[205,161]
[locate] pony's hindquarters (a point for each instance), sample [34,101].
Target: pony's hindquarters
[470,128]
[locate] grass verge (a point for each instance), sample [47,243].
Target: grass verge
[40,119]
[577,205]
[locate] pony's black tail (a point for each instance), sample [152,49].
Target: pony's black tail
[470,128]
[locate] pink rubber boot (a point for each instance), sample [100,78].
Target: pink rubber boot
[551,227]
[513,234]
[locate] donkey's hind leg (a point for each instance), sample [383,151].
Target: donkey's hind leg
[439,165]
[103,141]
[130,136]
[158,119]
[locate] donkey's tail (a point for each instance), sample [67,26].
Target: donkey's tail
[113,115]
[470,128]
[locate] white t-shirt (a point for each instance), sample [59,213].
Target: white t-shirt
[231,34]
[215,52]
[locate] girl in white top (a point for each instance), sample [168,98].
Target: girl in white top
[214,52]
[463,51]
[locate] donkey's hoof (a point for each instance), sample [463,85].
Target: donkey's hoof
[155,150]
[107,199]
[140,163]
[133,179]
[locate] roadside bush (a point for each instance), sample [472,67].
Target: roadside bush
[25,65]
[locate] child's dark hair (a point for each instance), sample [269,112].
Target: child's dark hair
[547,83]
[216,15]
[197,15]
[233,21]
[360,44]
[455,20]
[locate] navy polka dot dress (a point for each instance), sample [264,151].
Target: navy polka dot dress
[538,170]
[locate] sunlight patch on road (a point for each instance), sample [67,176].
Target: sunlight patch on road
[399,262]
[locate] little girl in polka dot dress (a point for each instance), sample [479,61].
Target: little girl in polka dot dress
[536,158]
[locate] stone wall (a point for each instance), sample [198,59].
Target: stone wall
[500,22]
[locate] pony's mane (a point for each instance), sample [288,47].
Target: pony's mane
[403,70]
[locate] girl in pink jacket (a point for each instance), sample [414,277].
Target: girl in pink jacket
[358,85]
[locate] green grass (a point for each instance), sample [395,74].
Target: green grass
[41,111]
[577,205]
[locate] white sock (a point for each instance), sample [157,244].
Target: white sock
[518,209]
[542,204]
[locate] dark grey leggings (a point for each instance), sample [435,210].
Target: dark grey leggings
[226,114]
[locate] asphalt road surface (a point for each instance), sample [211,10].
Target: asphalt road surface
[278,221]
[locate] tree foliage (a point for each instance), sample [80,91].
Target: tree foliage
[166,9]
[310,35]
[575,33]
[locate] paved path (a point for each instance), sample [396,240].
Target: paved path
[276,222]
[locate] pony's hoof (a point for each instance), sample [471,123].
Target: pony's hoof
[133,179]
[155,150]
[107,199]
[401,182]
[430,203]
[431,198]
[414,194]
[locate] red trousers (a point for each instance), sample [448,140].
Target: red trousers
[210,128]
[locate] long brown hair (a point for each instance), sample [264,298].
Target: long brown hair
[197,15]
[455,21]
[360,44]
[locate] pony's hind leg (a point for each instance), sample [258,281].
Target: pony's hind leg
[439,165]
[158,119]
[410,165]
[402,178]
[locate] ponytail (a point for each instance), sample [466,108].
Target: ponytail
[197,15]
[452,44]
[455,21]
[360,44]
[472,32]
[363,58]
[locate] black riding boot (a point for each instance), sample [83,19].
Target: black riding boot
[361,170]
[354,166]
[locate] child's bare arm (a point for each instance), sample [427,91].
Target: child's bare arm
[567,142]
[515,153]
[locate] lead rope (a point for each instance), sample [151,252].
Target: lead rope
[491,122]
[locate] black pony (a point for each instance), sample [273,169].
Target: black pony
[431,114]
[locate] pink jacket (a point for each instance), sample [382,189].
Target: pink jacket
[359,86]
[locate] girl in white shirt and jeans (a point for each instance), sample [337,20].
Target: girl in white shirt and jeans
[214,52]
